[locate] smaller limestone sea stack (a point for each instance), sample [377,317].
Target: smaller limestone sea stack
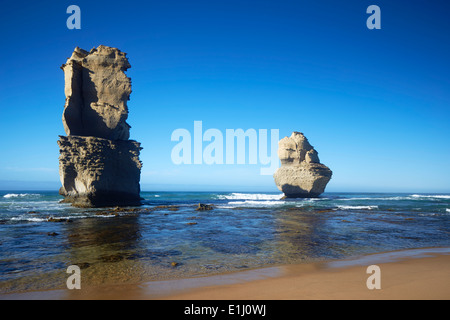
[98,164]
[301,174]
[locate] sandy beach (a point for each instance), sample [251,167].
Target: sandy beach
[405,278]
[404,275]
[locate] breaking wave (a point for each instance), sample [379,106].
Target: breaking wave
[30,219]
[431,196]
[21,195]
[357,207]
[250,196]
[253,203]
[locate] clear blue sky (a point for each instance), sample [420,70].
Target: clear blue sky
[374,103]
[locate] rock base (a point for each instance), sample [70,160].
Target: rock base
[302,181]
[97,172]
[101,199]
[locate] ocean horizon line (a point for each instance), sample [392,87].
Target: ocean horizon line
[23,185]
[2,190]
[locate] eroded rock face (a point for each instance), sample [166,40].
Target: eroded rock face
[97,91]
[97,172]
[301,174]
[98,165]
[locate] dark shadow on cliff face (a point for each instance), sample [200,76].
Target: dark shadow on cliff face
[90,120]
[291,191]
[85,115]
[73,112]
[80,116]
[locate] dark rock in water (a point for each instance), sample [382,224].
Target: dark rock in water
[204,207]
[168,207]
[301,174]
[98,165]
[112,258]
[51,219]
[84,265]
[324,210]
[212,266]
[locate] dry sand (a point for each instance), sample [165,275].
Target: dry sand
[404,275]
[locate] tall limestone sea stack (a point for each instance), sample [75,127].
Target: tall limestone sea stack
[301,174]
[98,164]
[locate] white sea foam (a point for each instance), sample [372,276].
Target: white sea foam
[251,199]
[437,196]
[31,219]
[12,195]
[376,198]
[251,203]
[27,217]
[250,196]
[20,195]
[409,197]
[46,206]
[448,210]
[358,207]
[100,216]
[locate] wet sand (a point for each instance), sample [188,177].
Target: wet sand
[404,275]
[405,278]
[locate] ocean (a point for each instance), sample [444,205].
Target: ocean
[167,238]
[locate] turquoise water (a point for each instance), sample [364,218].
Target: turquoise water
[167,238]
